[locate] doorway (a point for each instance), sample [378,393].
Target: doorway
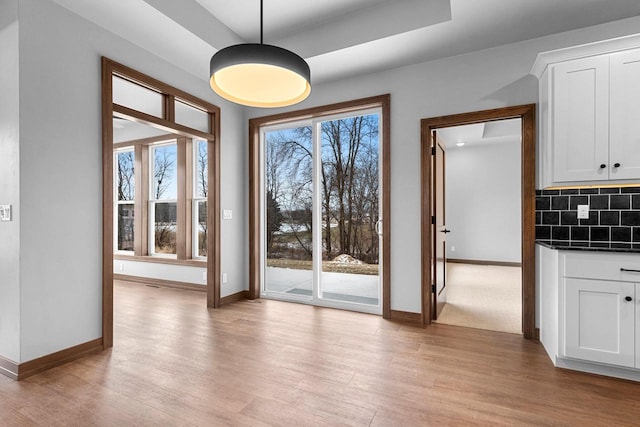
[161,186]
[321,231]
[319,193]
[481,225]
[526,114]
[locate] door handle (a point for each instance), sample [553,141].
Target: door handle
[379,227]
[445,231]
[629,270]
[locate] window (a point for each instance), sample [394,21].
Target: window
[136,96]
[125,199]
[172,182]
[163,199]
[200,187]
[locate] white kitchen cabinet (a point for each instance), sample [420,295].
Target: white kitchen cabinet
[580,122]
[589,105]
[624,123]
[589,314]
[600,321]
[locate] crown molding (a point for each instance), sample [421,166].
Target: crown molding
[544,59]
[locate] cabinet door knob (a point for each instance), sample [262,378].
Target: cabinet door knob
[616,165]
[602,166]
[628,299]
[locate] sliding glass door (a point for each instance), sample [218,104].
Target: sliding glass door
[288,211]
[321,223]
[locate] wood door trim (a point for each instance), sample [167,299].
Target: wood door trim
[167,122]
[406,317]
[528,173]
[213,214]
[238,296]
[158,123]
[381,101]
[107,202]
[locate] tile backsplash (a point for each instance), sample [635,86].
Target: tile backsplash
[614,217]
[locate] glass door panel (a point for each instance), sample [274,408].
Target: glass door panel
[349,192]
[321,211]
[288,212]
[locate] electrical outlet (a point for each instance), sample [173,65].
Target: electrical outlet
[204,276]
[453,248]
[5,213]
[227,214]
[121,267]
[583,211]
[224,277]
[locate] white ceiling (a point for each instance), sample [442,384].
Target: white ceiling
[496,132]
[341,38]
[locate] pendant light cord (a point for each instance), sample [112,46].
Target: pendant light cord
[261,17]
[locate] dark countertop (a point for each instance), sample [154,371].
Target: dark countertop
[590,246]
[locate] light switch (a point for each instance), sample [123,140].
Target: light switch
[5,212]
[583,211]
[227,214]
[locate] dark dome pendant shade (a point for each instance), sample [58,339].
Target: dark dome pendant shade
[260,75]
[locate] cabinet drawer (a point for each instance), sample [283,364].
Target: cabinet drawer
[600,265]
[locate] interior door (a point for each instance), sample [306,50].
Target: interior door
[439,232]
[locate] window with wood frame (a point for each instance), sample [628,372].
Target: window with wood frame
[124,200]
[172,201]
[200,190]
[161,144]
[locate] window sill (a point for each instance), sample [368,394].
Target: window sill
[160,260]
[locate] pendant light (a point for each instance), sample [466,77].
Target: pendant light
[260,75]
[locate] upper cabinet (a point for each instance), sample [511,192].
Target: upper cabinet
[589,128]
[624,114]
[580,121]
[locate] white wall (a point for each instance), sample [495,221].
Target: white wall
[234,195]
[175,273]
[60,158]
[60,173]
[9,182]
[482,202]
[481,80]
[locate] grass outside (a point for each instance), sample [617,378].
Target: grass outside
[328,266]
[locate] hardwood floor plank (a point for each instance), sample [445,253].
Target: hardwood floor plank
[264,362]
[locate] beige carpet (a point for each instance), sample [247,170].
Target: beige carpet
[483,297]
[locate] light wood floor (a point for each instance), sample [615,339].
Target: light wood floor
[276,363]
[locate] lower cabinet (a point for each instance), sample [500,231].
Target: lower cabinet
[600,321]
[589,314]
